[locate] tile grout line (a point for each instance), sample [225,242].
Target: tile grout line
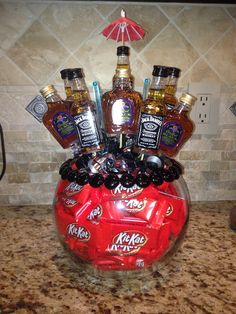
[109,14]
[63,45]
[16,65]
[227,12]
[34,19]
[140,53]
[208,63]
[201,55]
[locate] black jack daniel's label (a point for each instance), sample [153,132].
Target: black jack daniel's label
[87,129]
[150,129]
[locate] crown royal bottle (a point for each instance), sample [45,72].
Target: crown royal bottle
[121,105]
[58,119]
[178,127]
[152,114]
[83,113]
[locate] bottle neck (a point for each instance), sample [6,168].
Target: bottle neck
[79,90]
[183,108]
[68,89]
[123,60]
[123,78]
[53,98]
[171,86]
[157,88]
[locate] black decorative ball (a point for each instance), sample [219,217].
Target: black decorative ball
[65,172]
[175,172]
[157,178]
[168,176]
[82,178]
[127,180]
[72,175]
[111,181]
[143,180]
[96,180]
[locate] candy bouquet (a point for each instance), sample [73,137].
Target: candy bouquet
[121,203]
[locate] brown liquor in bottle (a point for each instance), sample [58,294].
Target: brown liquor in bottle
[121,105]
[83,112]
[178,127]
[152,114]
[67,85]
[58,119]
[170,99]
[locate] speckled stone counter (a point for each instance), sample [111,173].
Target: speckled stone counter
[37,276]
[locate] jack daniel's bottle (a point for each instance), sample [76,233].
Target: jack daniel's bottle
[178,127]
[58,119]
[152,114]
[83,113]
[121,105]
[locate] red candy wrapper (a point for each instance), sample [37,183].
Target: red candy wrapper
[123,228]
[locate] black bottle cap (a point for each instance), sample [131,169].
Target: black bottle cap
[174,71]
[160,70]
[122,50]
[65,73]
[75,73]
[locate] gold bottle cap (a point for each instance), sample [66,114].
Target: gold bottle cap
[47,90]
[188,99]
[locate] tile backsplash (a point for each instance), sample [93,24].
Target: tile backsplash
[39,38]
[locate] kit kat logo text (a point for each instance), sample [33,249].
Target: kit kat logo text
[131,205]
[127,243]
[95,213]
[123,192]
[73,188]
[78,232]
[69,202]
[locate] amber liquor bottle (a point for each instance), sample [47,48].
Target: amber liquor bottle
[178,127]
[58,119]
[152,114]
[83,112]
[121,105]
[171,87]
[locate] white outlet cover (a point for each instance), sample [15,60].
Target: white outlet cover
[206,88]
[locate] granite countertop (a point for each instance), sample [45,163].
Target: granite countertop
[37,276]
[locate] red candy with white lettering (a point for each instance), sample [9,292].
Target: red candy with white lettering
[123,228]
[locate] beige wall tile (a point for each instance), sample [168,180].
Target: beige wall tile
[14,20]
[222,57]
[203,25]
[10,74]
[232,11]
[4,200]
[18,178]
[199,72]
[105,8]
[170,48]
[171,10]
[37,8]
[38,53]
[72,24]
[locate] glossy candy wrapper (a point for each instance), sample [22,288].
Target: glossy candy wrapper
[123,228]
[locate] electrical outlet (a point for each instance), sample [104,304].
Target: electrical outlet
[205,112]
[203,108]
